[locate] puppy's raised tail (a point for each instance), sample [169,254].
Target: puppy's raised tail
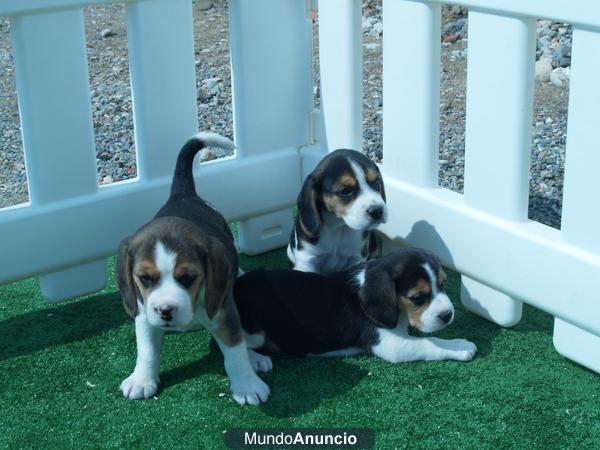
[183,178]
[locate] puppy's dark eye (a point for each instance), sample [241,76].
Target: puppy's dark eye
[419,300]
[186,279]
[345,192]
[146,280]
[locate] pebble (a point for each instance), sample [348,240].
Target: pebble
[377,29]
[560,77]
[107,32]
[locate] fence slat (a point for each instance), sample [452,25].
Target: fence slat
[580,217]
[340,58]
[54,103]
[58,139]
[272,95]
[163,81]
[411,92]
[498,137]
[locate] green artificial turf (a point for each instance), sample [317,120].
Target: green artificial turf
[61,365]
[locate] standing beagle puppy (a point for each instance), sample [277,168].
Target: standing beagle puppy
[365,309]
[176,273]
[341,201]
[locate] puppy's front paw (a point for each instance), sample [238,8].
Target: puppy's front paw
[260,362]
[250,390]
[137,386]
[462,350]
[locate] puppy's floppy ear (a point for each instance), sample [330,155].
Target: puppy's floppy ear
[124,276]
[378,297]
[220,276]
[308,212]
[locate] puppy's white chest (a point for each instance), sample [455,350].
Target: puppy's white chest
[340,241]
[339,248]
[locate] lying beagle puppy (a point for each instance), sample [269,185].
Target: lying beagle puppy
[176,273]
[365,309]
[341,201]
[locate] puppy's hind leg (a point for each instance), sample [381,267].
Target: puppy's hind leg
[246,386]
[260,362]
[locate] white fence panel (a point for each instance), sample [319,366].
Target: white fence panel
[72,225]
[54,98]
[485,234]
[499,104]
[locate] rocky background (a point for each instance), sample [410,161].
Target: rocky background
[112,115]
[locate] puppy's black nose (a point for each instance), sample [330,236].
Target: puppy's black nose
[376,212]
[165,311]
[446,316]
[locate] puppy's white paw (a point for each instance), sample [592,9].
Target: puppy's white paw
[137,386]
[462,350]
[260,362]
[250,390]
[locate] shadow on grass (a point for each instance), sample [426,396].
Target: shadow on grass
[46,328]
[298,385]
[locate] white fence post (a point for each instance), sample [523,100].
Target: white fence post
[340,57]
[411,97]
[581,218]
[411,92]
[271,55]
[163,81]
[498,137]
[54,99]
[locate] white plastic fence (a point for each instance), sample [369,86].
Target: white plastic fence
[72,224]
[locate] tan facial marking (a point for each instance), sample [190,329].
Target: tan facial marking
[421,288]
[441,277]
[347,181]
[145,267]
[194,269]
[372,175]
[335,205]
[415,312]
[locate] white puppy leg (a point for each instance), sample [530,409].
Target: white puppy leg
[246,386]
[143,382]
[260,362]
[398,347]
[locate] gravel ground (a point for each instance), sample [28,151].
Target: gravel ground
[112,115]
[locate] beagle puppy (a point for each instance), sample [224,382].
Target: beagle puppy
[341,201]
[176,273]
[365,309]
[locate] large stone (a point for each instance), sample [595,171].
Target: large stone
[543,68]
[560,76]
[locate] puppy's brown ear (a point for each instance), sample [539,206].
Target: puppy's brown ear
[220,276]
[124,276]
[308,212]
[378,297]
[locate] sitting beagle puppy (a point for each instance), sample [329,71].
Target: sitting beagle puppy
[176,273]
[365,309]
[341,201]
